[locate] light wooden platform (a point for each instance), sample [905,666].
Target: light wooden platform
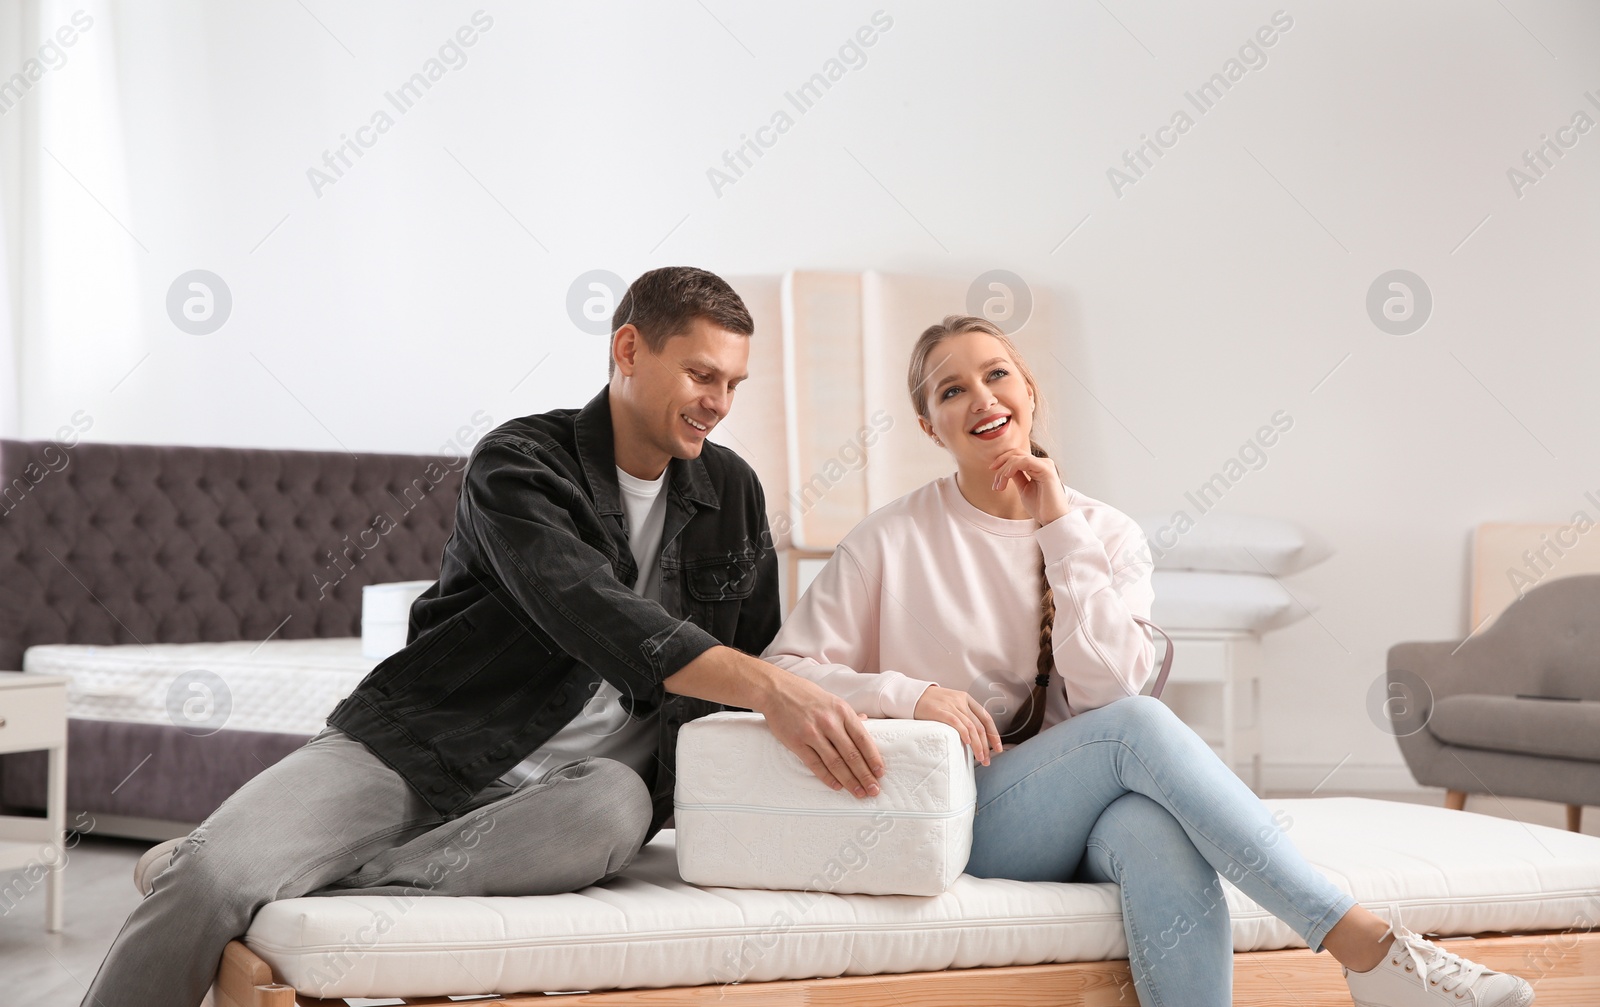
[1563,966]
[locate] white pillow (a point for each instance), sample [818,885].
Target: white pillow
[1201,599]
[1232,543]
[386,615]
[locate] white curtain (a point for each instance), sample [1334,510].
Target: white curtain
[10,390]
[70,319]
[11,49]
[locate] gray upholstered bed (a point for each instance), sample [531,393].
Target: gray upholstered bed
[130,544]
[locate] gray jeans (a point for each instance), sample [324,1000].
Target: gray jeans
[331,818]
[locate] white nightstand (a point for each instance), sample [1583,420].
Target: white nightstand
[33,715]
[1229,660]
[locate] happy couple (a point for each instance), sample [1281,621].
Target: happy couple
[611,576]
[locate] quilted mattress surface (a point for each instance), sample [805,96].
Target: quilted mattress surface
[1448,872]
[282,686]
[749,814]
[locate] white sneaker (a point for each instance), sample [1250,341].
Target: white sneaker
[1419,973]
[154,861]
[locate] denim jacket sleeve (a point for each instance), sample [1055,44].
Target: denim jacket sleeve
[522,515]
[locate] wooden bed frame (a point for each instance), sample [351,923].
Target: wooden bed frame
[1562,965]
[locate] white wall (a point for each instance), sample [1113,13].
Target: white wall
[1223,286]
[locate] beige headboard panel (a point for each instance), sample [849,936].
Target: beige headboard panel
[1508,560]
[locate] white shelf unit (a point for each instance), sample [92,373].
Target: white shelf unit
[33,715]
[1227,665]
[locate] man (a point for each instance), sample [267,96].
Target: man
[610,576]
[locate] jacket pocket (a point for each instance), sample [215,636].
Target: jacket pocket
[717,589]
[721,580]
[403,668]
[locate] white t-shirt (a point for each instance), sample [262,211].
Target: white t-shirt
[603,727]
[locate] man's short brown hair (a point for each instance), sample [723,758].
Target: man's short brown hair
[664,302]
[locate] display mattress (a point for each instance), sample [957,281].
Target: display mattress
[282,686]
[1447,872]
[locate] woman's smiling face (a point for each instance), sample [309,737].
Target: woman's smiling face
[979,403]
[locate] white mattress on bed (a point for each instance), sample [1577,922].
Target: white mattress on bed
[1451,873]
[280,686]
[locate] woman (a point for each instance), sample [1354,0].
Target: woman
[936,607]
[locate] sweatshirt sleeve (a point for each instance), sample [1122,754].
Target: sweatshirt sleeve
[1101,653]
[833,631]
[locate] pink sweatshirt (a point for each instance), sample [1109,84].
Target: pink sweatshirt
[930,590]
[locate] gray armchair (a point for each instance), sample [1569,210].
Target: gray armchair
[1461,725]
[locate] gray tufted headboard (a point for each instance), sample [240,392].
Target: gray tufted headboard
[125,543]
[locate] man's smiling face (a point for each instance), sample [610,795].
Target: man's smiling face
[674,398]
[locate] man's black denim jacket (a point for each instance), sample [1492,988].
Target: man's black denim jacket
[533,607]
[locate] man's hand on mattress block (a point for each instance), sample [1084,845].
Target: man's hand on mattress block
[964,713]
[826,733]
[822,729]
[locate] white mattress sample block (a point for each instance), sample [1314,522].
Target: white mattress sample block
[280,686]
[1449,873]
[386,615]
[749,814]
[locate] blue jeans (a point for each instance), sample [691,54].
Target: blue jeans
[1129,794]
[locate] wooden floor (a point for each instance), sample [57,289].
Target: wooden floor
[53,970]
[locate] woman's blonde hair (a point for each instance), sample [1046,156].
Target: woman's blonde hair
[916,385]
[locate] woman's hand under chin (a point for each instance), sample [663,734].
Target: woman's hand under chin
[965,714]
[1038,484]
